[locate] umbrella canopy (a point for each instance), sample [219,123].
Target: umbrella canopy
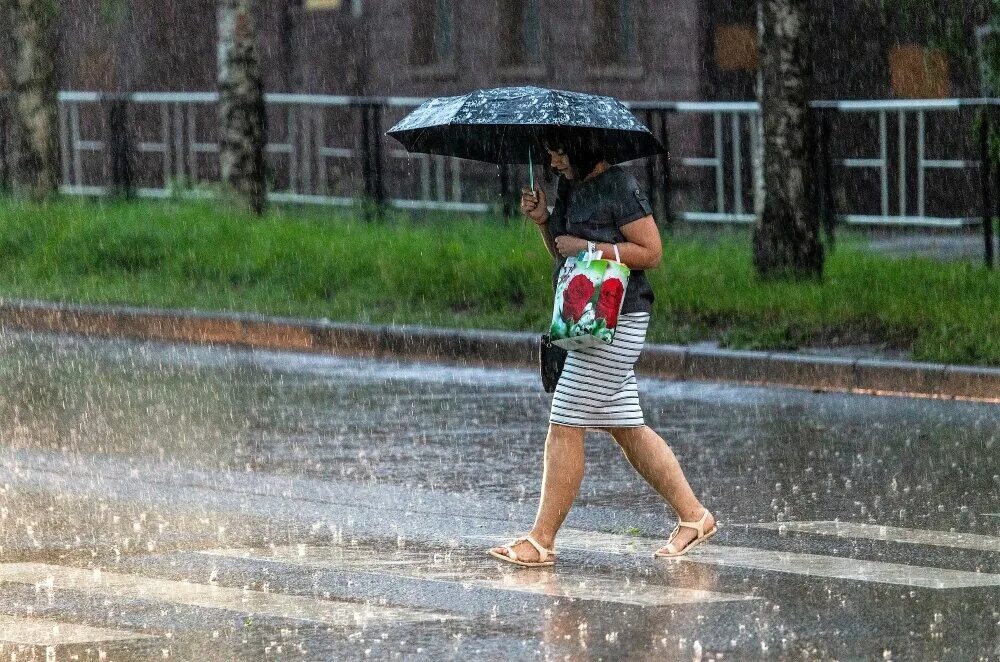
[506,125]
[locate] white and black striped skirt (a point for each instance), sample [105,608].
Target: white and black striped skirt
[597,387]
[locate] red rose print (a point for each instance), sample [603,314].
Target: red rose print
[576,296]
[609,301]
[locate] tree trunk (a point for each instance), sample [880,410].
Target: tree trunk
[786,236]
[242,117]
[35,158]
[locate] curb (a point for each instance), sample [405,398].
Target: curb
[820,373]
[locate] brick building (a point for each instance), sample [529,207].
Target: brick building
[634,49]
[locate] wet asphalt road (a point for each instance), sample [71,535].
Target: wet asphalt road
[209,503]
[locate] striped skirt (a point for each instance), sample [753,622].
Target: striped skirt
[597,387]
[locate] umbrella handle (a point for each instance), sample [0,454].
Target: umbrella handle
[531,174]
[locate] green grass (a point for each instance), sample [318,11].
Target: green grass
[475,273]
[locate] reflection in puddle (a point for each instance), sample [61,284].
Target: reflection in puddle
[450,568]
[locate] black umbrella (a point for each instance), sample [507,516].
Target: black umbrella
[507,125]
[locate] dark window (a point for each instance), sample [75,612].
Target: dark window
[614,32]
[520,32]
[433,32]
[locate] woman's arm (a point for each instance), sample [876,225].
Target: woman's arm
[642,250]
[550,242]
[533,205]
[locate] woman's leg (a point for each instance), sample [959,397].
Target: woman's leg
[653,459]
[561,479]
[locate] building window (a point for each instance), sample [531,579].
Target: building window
[614,33]
[97,67]
[433,32]
[918,72]
[520,32]
[736,48]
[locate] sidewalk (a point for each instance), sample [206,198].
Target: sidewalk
[821,373]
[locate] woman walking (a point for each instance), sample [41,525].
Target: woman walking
[604,205]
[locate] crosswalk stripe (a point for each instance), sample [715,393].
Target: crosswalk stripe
[815,565]
[604,590]
[889,534]
[255,603]
[836,567]
[43,632]
[418,566]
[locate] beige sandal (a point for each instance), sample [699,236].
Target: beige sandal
[702,536]
[511,555]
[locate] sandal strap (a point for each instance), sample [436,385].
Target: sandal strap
[543,553]
[698,526]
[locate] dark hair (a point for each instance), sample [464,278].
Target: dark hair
[583,153]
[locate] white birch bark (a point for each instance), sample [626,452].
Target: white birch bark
[35,162]
[786,236]
[242,117]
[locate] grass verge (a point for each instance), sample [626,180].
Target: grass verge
[475,273]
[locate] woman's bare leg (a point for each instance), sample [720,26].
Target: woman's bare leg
[653,459]
[561,479]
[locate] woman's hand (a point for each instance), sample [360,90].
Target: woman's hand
[567,245]
[533,205]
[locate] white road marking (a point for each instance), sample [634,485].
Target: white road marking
[256,603]
[43,632]
[550,582]
[603,589]
[608,543]
[836,567]
[890,534]
[786,562]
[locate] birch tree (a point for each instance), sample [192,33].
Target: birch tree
[34,171]
[786,241]
[242,117]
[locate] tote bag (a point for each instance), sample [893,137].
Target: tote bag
[589,296]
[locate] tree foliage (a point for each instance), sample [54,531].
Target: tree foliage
[949,25]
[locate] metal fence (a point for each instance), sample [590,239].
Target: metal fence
[324,150]
[902,163]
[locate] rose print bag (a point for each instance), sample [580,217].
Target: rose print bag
[589,296]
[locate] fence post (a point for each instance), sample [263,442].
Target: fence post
[986,166]
[666,185]
[120,146]
[366,161]
[371,155]
[651,188]
[827,213]
[815,163]
[505,191]
[378,174]
[989,234]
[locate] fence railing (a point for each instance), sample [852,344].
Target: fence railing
[910,163]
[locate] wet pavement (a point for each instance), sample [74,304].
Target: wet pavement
[945,246]
[211,503]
